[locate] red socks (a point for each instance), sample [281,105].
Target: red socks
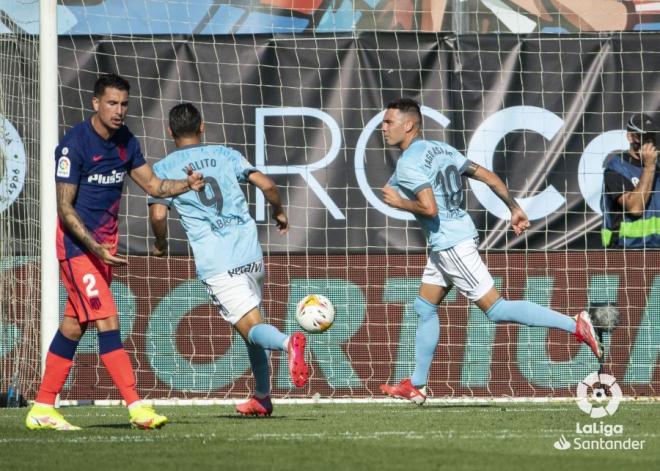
[58,364]
[57,371]
[60,359]
[118,364]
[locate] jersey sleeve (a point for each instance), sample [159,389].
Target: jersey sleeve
[616,184]
[69,163]
[158,171]
[410,176]
[460,161]
[242,168]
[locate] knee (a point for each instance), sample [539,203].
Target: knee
[424,309]
[248,330]
[107,323]
[72,332]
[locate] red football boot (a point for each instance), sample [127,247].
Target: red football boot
[298,369]
[584,332]
[405,390]
[255,406]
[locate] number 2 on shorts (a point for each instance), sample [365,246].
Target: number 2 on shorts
[90,285]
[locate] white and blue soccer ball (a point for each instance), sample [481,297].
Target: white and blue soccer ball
[315,313]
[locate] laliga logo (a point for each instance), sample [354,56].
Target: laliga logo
[601,435]
[598,395]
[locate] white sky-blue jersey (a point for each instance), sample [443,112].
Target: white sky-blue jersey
[221,231]
[439,166]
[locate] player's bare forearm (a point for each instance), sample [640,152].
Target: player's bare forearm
[519,220]
[169,188]
[66,195]
[500,189]
[494,182]
[268,188]
[154,186]
[272,195]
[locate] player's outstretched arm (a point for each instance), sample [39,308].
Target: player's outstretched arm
[158,219]
[66,195]
[145,177]
[272,195]
[519,220]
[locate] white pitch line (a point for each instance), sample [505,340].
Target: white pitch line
[369,400]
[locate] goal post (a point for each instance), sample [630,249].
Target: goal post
[48,137]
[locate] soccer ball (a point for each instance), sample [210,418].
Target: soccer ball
[315,313]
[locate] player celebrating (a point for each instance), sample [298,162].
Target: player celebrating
[225,244]
[93,159]
[429,175]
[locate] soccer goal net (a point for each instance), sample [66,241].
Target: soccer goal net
[19,203]
[300,88]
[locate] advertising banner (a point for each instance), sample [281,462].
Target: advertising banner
[181,348]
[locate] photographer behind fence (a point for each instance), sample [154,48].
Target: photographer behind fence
[631,194]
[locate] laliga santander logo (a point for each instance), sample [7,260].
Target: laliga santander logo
[599,435]
[598,394]
[599,385]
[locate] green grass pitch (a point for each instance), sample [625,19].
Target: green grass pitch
[335,437]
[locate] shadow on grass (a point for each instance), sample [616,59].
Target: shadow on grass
[205,421]
[239,418]
[462,406]
[126,426]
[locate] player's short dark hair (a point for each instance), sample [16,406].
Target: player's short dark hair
[640,123]
[110,81]
[185,120]
[406,105]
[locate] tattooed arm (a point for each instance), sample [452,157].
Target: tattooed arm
[519,220]
[66,195]
[154,186]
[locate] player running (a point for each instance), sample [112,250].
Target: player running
[429,175]
[93,159]
[225,245]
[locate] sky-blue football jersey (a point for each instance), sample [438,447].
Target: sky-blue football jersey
[220,230]
[436,165]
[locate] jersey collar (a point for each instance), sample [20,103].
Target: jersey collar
[190,146]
